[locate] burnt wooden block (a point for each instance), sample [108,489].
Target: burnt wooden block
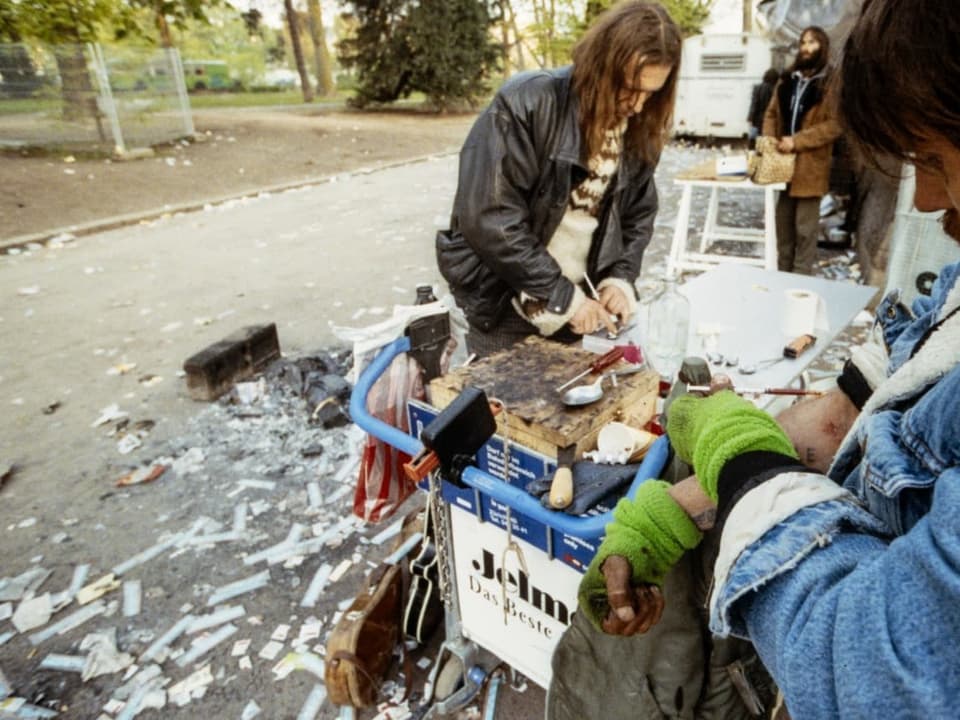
[214,370]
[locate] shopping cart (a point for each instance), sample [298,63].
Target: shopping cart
[515,615]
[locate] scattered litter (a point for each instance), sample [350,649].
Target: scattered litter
[33,613]
[240,647]
[71,621]
[170,636]
[97,589]
[150,380]
[103,658]
[313,703]
[245,663]
[31,290]
[24,585]
[52,407]
[317,585]
[248,393]
[80,573]
[19,708]
[240,587]
[307,661]
[257,484]
[206,645]
[424,662]
[28,522]
[132,594]
[148,695]
[63,663]
[221,616]
[146,555]
[250,710]
[271,650]
[240,519]
[340,570]
[145,474]
[192,687]
[281,633]
[122,368]
[388,533]
[109,414]
[128,443]
[310,630]
[314,498]
[6,610]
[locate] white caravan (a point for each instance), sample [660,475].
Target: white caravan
[717,76]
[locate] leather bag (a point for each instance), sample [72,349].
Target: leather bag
[360,647]
[768,165]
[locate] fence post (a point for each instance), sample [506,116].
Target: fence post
[173,57]
[107,104]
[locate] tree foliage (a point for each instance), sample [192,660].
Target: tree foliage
[442,48]
[689,15]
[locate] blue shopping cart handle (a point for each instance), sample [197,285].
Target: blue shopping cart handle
[589,527]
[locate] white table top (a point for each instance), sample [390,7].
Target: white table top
[746,305]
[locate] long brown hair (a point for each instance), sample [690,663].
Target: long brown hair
[900,76]
[628,30]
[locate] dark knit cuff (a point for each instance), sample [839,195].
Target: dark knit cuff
[743,473]
[854,385]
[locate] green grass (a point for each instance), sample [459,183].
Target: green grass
[29,105]
[255,99]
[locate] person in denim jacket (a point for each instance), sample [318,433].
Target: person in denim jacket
[840,521]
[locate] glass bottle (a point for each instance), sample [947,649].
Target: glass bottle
[668,324]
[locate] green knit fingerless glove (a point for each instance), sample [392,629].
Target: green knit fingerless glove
[707,432]
[651,531]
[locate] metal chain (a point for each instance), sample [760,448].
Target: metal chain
[511,546]
[442,531]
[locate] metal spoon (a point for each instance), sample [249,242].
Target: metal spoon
[746,368]
[584,394]
[591,392]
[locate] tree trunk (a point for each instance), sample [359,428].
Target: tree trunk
[298,51]
[163,27]
[518,41]
[504,39]
[325,82]
[76,89]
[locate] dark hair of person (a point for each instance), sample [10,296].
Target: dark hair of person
[600,60]
[900,76]
[771,76]
[821,37]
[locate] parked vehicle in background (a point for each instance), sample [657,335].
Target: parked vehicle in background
[717,76]
[206,75]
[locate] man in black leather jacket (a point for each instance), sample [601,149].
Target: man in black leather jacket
[556,182]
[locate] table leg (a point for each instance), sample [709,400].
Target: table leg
[679,246]
[710,224]
[770,228]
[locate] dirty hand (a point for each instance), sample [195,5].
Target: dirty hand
[633,610]
[707,432]
[787,144]
[590,317]
[647,537]
[616,303]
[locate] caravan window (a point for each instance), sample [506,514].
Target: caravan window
[723,62]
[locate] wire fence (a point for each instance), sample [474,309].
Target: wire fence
[91,97]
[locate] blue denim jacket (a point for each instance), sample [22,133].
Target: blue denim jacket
[854,603]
